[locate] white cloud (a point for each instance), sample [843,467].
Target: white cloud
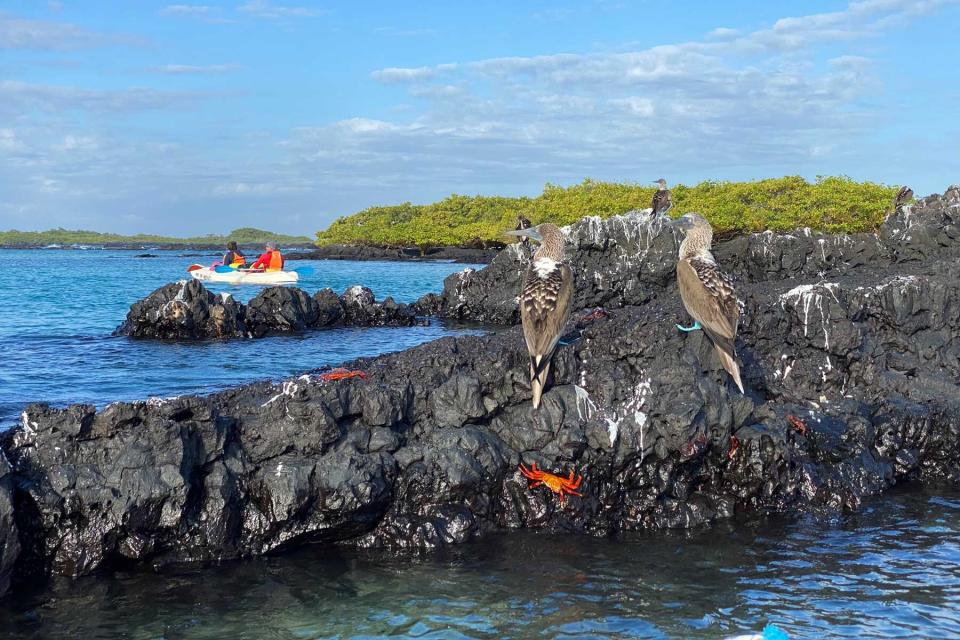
[44,35]
[270,11]
[10,143]
[394,74]
[193,10]
[190,69]
[18,97]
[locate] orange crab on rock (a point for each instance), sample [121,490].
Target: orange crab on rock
[341,374]
[558,484]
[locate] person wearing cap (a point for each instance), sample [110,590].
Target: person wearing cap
[271,260]
[233,257]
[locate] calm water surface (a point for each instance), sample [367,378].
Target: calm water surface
[890,571]
[58,311]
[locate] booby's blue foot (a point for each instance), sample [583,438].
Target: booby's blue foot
[696,326]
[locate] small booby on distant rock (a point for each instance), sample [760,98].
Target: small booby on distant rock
[662,201]
[523,223]
[903,196]
[544,301]
[707,293]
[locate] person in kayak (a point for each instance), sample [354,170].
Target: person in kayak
[233,257]
[271,260]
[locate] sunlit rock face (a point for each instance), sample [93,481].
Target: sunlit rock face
[851,365]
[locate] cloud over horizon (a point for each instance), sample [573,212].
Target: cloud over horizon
[322,134]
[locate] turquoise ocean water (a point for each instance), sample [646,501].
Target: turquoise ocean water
[58,309]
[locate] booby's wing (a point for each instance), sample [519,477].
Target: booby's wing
[711,300]
[661,201]
[544,311]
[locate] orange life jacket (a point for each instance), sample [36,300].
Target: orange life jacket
[276,261]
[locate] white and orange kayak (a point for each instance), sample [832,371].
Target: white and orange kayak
[242,276]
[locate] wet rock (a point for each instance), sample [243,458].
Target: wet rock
[187,311]
[184,310]
[329,309]
[279,309]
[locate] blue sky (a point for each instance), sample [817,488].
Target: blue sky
[198,118]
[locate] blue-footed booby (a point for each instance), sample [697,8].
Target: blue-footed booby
[544,301]
[707,293]
[523,223]
[903,196]
[662,201]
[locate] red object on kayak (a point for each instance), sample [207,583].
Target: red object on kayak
[194,267]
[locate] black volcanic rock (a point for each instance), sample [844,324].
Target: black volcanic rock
[187,311]
[184,310]
[9,540]
[853,386]
[623,260]
[279,309]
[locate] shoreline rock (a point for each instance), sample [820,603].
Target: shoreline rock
[186,310]
[853,380]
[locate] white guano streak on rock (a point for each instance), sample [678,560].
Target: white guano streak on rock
[812,295]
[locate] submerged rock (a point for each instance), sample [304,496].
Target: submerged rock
[853,386]
[185,310]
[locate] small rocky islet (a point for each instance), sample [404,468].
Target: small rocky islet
[850,355]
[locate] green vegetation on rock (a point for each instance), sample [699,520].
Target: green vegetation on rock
[244,236]
[833,204]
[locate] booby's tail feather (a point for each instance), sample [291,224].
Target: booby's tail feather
[730,364]
[539,369]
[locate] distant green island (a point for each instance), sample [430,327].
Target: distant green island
[65,237]
[831,204]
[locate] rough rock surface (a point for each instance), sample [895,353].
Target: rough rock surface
[9,542]
[624,260]
[853,386]
[185,310]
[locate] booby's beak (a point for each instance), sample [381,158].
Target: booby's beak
[531,233]
[683,222]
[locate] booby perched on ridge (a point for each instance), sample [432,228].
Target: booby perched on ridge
[707,293]
[661,199]
[523,223]
[903,196]
[544,301]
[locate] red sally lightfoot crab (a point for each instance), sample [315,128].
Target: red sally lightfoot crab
[341,374]
[558,484]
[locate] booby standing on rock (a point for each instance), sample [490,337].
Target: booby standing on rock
[661,199]
[707,293]
[903,196]
[523,223]
[544,301]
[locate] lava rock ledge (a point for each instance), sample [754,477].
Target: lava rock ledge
[186,310]
[853,386]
